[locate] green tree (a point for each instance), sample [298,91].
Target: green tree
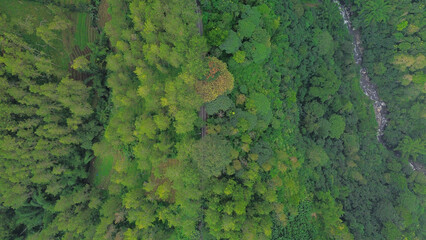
[232,43]
[351,142]
[246,28]
[260,105]
[325,83]
[325,43]
[211,154]
[221,103]
[60,23]
[260,52]
[317,156]
[412,147]
[46,34]
[375,11]
[338,124]
[80,63]
[240,56]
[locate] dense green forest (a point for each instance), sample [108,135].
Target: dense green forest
[211,119]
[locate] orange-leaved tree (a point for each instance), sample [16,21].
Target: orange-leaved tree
[217,81]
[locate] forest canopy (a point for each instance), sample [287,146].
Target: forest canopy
[212,119]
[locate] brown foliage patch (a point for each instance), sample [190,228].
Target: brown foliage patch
[103,15]
[217,81]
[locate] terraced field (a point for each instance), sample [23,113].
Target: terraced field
[84,33]
[101,166]
[32,14]
[77,75]
[68,44]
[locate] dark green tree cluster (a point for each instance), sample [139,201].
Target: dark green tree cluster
[347,160]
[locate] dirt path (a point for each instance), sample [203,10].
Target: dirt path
[200,20]
[202,113]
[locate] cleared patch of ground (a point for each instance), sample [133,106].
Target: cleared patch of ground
[103,15]
[101,167]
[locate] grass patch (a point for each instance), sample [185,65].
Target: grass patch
[81,37]
[103,167]
[84,32]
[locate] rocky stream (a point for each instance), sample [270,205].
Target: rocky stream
[369,88]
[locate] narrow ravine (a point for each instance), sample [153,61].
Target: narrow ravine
[369,88]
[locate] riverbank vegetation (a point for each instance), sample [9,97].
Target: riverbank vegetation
[395,55]
[104,103]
